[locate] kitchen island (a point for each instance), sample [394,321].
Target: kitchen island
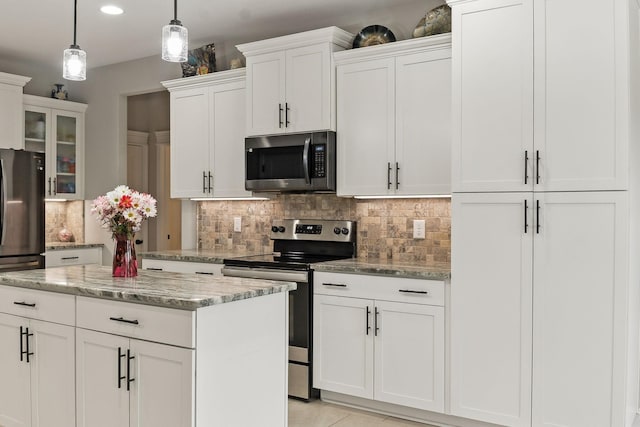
[79,347]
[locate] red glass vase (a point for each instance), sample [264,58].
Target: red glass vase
[125,263]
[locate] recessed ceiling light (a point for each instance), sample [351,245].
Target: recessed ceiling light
[111,10]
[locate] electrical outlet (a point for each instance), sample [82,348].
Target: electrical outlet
[419,228]
[237,224]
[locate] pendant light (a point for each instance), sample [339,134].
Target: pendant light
[74,63]
[175,39]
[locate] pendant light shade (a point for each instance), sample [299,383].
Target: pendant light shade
[74,62]
[175,39]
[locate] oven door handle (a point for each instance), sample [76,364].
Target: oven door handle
[266,274]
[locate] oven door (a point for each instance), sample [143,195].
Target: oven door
[300,329]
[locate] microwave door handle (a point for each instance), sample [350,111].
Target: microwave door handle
[305,160]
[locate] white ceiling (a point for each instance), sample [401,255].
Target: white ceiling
[37,31]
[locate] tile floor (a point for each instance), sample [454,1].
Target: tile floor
[321,414]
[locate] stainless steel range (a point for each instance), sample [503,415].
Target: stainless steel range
[297,245]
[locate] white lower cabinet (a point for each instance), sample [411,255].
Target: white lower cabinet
[537,320]
[125,379]
[129,382]
[75,256]
[37,373]
[380,338]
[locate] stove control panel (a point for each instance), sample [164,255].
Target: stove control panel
[315,229]
[308,229]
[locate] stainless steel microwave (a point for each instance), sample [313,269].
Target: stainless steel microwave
[297,163]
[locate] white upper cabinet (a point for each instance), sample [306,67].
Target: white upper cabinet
[366,127]
[11,87]
[290,82]
[207,135]
[582,94]
[394,115]
[492,95]
[56,128]
[189,145]
[540,98]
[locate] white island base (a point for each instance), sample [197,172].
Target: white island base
[79,348]
[235,374]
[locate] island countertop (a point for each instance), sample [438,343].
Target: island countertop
[163,289]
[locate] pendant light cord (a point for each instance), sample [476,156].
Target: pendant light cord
[75,20]
[175,10]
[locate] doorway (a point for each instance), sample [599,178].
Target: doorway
[148,165]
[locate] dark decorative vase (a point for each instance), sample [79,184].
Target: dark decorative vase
[125,263]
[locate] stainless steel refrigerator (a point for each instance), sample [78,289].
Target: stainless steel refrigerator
[21,210]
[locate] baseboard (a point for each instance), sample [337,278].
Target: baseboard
[398,411]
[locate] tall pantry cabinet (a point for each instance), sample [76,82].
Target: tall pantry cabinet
[545,291]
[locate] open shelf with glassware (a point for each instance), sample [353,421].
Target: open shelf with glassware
[56,128]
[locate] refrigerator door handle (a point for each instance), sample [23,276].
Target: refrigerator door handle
[3,201]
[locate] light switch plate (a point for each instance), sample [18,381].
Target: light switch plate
[419,228]
[237,224]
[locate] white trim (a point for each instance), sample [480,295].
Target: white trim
[135,137]
[335,35]
[206,80]
[404,47]
[163,137]
[56,104]
[14,79]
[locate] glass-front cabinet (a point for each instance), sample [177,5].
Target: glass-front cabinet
[56,128]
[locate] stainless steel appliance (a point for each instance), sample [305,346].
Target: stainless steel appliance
[297,163]
[297,245]
[21,210]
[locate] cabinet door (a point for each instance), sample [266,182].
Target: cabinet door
[266,94]
[227,128]
[423,123]
[582,94]
[15,403]
[409,355]
[37,129]
[366,128]
[66,154]
[10,116]
[102,399]
[190,143]
[491,292]
[580,310]
[162,393]
[492,95]
[343,345]
[53,385]
[308,88]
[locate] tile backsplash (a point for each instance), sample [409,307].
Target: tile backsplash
[68,214]
[385,226]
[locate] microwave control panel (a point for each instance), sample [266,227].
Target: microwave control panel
[319,160]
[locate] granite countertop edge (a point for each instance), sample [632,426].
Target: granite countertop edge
[355,266]
[197,291]
[72,245]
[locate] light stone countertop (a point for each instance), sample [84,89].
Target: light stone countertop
[195,255]
[159,288]
[54,246]
[386,268]
[352,265]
